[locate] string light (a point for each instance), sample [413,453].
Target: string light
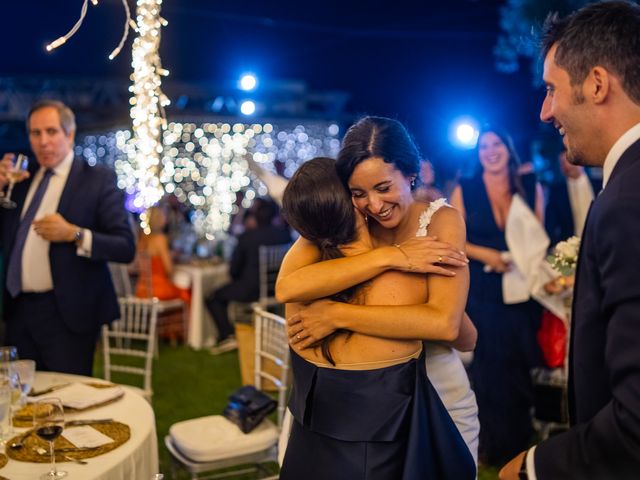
[147,106]
[204,165]
[125,34]
[62,40]
[83,12]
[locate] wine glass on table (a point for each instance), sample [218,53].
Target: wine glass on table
[14,175]
[5,408]
[48,421]
[26,370]
[8,354]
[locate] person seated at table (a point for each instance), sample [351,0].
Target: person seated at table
[243,269]
[155,263]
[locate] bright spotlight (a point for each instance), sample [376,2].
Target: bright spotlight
[464,133]
[248,107]
[248,82]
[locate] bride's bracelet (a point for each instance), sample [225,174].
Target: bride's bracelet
[409,264]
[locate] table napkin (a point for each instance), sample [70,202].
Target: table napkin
[81,396]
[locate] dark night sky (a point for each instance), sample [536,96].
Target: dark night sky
[422,62]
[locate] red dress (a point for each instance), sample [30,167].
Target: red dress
[161,285]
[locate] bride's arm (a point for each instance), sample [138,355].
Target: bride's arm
[303,277]
[468,336]
[439,319]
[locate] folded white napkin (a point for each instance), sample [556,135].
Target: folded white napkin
[80,396]
[528,244]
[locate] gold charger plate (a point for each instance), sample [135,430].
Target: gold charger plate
[3,461]
[23,418]
[119,432]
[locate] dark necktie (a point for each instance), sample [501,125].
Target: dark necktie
[14,268]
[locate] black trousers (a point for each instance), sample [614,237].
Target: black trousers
[218,304]
[36,328]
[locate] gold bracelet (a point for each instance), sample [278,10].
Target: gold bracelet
[411,267]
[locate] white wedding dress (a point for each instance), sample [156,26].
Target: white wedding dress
[445,371]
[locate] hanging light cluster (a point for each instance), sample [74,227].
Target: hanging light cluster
[144,149]
[206,165]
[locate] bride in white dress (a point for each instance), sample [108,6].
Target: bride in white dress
[381,190]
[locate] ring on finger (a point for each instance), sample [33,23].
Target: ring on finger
[439,258]
[298,336]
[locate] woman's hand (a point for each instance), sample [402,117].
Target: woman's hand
[428,255]
[559,285]
[494,259]
[311,323]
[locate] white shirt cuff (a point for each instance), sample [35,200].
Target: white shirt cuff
[84,250]
[531,467]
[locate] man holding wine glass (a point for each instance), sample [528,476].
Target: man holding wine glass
[69,221]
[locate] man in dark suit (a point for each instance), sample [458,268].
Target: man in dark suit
[592,72]
[569,200]
[69,222]
[243,269]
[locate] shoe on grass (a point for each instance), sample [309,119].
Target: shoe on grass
[226,345]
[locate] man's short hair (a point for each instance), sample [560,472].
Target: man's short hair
[606,34]
[67,118]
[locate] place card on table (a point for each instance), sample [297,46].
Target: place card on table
[86,437]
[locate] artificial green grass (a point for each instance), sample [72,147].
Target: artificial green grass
[189,384]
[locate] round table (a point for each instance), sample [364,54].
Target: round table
[135,459]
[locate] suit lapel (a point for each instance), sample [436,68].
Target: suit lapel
[72,186]
[581,261]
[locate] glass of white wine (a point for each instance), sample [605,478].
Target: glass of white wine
[48,421]
[13,382]
[5,408]
[15,174]
[26,370]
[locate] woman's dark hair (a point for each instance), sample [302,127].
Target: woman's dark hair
[378,137]
[317,206]
[515,183]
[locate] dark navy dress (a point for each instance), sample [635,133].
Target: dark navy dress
[381,424]
[506,349]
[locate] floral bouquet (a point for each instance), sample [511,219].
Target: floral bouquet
[565,256]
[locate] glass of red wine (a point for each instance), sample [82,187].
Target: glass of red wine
[48,421]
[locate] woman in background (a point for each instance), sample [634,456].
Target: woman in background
[154,262]
[506,348]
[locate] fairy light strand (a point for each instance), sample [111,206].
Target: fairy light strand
[125,33]
[83,12]
[144,149]
[63,39]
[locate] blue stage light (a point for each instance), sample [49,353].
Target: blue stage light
[248,82]
[248,107]
[464,133]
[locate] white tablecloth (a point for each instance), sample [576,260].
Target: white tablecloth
[204,280]
[136,459]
